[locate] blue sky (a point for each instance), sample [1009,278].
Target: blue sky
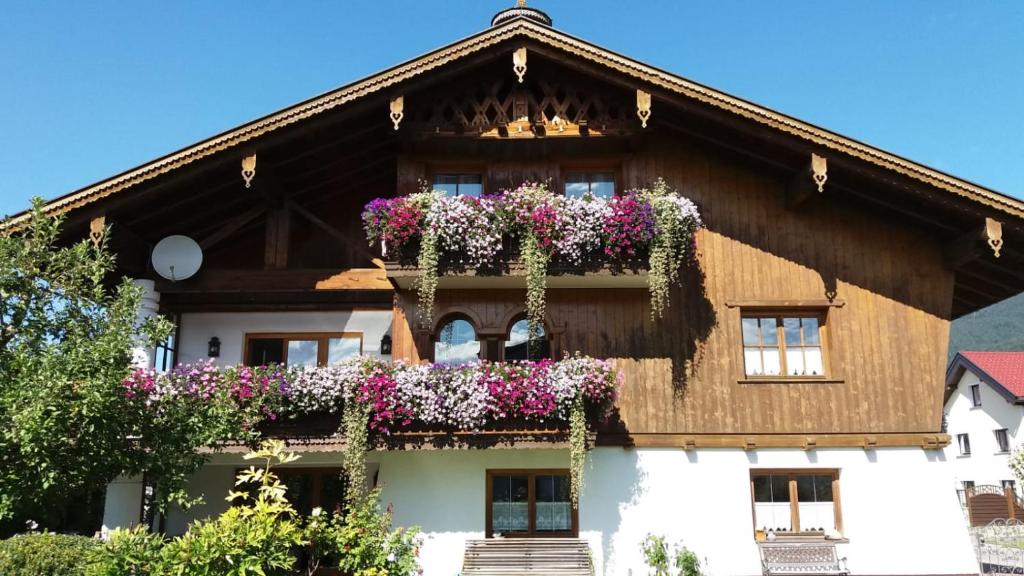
[90,89]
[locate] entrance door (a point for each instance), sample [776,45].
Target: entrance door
[530,503]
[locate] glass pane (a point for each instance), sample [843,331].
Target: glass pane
[780,488]
[816,488]
[817,516]
[602,185]
[553,509]
[769,332]
[791,327]
[339,349]
[299,491]
[456,344]
[795,362]
[510,506]
[813,363]
[811,332]
[771,362]
[750,332]
[332,492]
[517,347]
[264,351]
[302,352]
[762,489]
[752,361]
[470,185]
[447,183]
[771,503]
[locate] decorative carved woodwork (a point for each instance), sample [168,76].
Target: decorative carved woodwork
[819,171]
[519,63]
[97,227]
[248,169]
[971,246]
[643,106]
[808,181]
[504,108]
[397,106]
[994,235]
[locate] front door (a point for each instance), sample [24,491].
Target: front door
[530,503]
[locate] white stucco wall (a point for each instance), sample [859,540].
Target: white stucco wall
[985,465]
[231,328]
[899,515]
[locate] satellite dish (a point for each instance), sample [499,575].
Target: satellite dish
[177,257]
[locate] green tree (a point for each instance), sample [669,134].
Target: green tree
[66,339]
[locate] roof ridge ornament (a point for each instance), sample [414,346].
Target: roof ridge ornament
[520,10]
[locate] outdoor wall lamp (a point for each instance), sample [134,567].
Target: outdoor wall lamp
[213,350]
[385,345]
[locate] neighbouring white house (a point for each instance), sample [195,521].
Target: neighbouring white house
[788,397]
[984,412]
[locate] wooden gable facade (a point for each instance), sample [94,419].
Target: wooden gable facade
[886,252]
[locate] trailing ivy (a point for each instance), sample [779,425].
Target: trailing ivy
[355,425]
[675,221]
[577,448]
[536,260]
[427,287]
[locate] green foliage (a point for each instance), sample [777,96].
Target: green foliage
[672,241]
[355,424]
[994,328]
[536,260]
[65,345]
[133,552]
[364,544]
[577,448]
[45,555]
[657,554]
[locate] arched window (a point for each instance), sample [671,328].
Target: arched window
[518,345]
[456,343]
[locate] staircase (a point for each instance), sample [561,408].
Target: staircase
[527,556]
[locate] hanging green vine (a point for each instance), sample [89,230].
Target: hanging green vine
[675,221]
[577,448]
[536,260]
[427,287]
[355,424]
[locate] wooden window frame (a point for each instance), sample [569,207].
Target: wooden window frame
[531,474]
[999,445]
[597,168]
[508,330]
[794,502]
[779,314]
[322,339]
[458,170]
[975,395]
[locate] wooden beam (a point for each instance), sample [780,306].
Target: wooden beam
[227,229]
[276,301]
[975,244]
[252,281]
[342,237]
[807,183]
[278,234]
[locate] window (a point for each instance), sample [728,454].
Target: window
[789,346]
[308,488]
[456,343]
[965,444]
[165,355]
[529,503]
[798,501]
[1011,484]
[976,394]
[519,346]
[596,184]
[968,484]
[1002,439]
[459,184]
[316,349]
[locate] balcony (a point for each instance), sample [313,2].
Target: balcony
[513,275]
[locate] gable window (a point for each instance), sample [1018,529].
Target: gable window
[1002,439]
[976,394]
[964,442]
[456,343]
[519,346]
[796,501]
[788,345]
[459,184]
[596,184]
[529,503]
[302,349]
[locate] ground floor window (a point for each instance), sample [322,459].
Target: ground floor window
[308,488]
[530,503]
[302,349]
[796,501]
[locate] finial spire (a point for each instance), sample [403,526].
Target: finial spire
[520,3]
[520,10]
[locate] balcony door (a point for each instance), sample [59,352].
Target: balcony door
[530,503]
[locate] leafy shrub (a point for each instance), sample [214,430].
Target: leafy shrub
[45,555]
[657,553]
[133,552]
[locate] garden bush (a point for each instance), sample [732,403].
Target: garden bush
[45,554]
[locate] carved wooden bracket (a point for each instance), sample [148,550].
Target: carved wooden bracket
[994,235]
[397,110]
[248,169]
[643,106]
[97,227]
[819,171]
[519,63]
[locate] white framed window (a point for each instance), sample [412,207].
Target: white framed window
[964,442]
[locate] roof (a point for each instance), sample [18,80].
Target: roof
[1004,371]
[523,28]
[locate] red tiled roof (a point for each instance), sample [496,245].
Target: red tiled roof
[1006,368]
